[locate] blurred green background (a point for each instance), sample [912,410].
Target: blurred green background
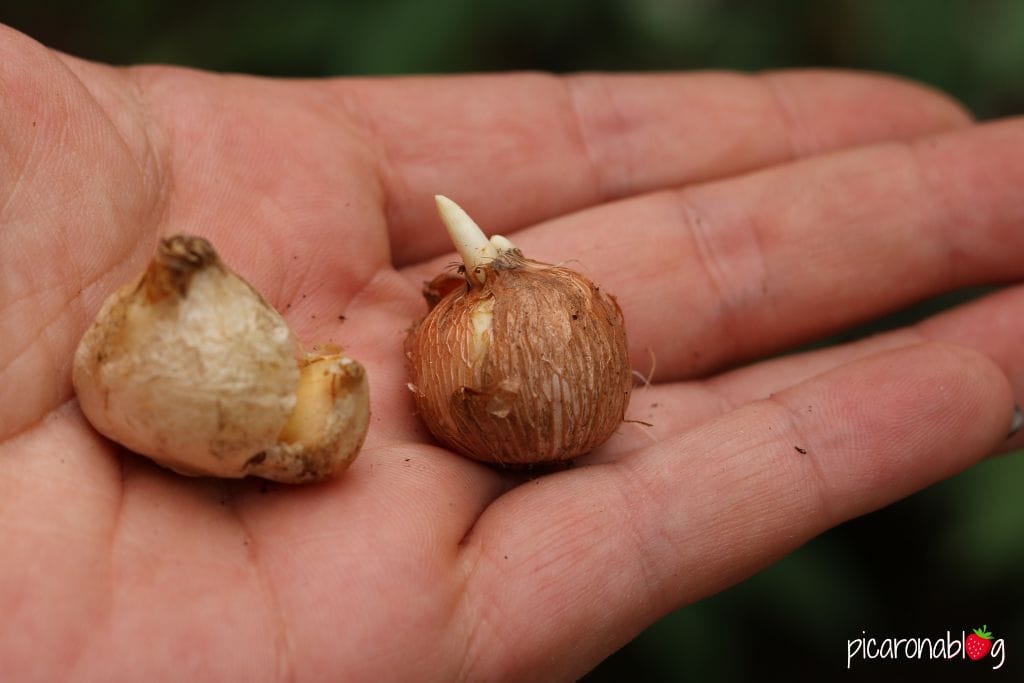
[951,557]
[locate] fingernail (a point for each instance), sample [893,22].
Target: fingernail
[1017,423]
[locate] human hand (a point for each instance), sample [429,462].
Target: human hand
[733,216]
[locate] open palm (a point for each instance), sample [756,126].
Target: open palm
[733,216]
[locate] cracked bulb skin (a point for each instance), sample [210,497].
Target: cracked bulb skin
[519,362]
[189,366]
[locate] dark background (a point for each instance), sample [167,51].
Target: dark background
[949,558]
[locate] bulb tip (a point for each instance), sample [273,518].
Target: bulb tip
[474,247]
[449,211]
[502,244]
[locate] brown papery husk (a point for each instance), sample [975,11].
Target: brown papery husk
[548,380]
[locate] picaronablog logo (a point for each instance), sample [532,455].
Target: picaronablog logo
[975,645]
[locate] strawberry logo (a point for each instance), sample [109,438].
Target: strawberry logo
[978,643]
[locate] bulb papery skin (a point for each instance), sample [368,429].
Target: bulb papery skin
[529,366]
[189,366]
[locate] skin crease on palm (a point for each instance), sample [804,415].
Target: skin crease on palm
[734,216]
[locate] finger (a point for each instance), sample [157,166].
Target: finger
[560,144]
[690,516]
[74,190]
[991,325]
[719,273]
